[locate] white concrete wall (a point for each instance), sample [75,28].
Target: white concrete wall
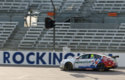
[50,58]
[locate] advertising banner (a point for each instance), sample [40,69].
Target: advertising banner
[45,58]
[34,58]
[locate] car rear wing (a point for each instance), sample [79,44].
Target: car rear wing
[117,56]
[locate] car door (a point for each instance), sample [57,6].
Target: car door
[82,61]
[97,59]
[94,60]
[91,61]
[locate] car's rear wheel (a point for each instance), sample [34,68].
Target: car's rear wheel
[101,67]
[68,66]
[107,69]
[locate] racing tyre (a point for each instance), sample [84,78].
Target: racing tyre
[107,69]
[68,66]
[101,67]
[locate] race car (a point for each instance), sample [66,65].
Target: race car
[89,61]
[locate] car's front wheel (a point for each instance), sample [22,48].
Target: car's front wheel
[68,66]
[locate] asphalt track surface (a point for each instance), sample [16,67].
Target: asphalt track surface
[54,73]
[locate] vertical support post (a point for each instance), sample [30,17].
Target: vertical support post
[30,18]
[29,10]
[54,11]
[10,17]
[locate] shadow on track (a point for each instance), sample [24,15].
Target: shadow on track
[110,72]
[85,73]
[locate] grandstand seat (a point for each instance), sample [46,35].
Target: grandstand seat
[109,6]
[6,29]
[99,39]
[13,6]
[31,36]
[75,6]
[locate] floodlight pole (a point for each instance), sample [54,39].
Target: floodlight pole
[54,16]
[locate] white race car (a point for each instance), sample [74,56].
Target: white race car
[89,61]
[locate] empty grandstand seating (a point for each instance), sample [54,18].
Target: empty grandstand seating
[41,5]
[32,36]
[46,5]
[97,32]
[60,5]
[6,29]
[47,39]
[13,6]
[67,6]
[84,39]
[109,6]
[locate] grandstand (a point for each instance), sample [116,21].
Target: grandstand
[6,29]
[109,6]
[80,25]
